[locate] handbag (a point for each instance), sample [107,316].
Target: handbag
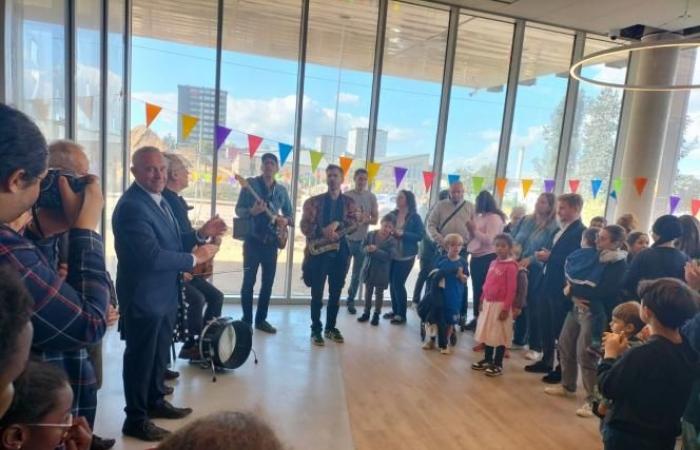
[242,228]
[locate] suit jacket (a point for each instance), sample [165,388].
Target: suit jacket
[151,253]
[554,280]
[180,208]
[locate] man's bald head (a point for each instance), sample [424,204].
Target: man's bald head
[70,156]
[457,191]
[150,168]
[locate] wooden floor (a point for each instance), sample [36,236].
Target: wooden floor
[379,390]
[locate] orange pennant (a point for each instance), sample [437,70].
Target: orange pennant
[152,112]
[640,183]
[188,123]
[527,184]
[345,164]
[501,186]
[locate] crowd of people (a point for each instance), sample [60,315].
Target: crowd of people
[599,300]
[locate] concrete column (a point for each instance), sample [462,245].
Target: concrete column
[647,123]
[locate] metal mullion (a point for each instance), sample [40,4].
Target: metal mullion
[382,13]
[69,101]
[126,95]
[217,103]
[296,157]
[516,53]
[569,118]
[104,34]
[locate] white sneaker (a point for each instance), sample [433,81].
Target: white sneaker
[586,410]
[533,355]
[517,347]
[429,344]
[559,391]
[446,351]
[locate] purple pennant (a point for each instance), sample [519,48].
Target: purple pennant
[673,201]
[220,136]
[399,173]
[548,185]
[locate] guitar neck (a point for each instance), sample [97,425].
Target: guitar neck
[257,198]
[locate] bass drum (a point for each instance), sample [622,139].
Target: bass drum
[226,343]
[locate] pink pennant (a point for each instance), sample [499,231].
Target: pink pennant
[253,144]
[573,184]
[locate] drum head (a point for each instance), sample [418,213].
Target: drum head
[226,343]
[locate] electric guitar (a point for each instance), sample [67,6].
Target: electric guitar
[281,233]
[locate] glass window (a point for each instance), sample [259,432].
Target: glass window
[595,129]
[539,110]
[477,99]
[337,89]
[258,97]
[36,78]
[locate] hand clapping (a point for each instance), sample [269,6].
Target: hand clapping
[614,344]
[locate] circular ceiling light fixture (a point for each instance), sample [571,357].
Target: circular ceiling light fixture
[622,52]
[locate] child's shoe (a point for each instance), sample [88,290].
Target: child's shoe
[429,344]
[481,365]
[375,319]
[586,410]
[363,318]
[493,371]
[445,351]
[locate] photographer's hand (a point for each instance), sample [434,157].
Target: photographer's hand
[92,203]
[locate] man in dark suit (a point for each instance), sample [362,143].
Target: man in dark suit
[198,291]
[151,257]
[555,305]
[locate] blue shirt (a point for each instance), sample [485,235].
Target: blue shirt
[532,239]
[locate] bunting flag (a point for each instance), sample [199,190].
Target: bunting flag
[673,202]
[573,185]
[613,194]
[372,170]
[617,185]
[399,174]
[549,186]
[315,159]
[188,124]
[285,150]
[220,135]
[595,186]
[86,105]
[253,144]
[345,163]
[378,185]
[695,206]
[527,184]
[501,186]
[428,179]
[152,112]
[219,179]
[452,179]
[231,180]
[477,184]
[195,177]
[640,183]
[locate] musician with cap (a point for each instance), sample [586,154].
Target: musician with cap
[326,220]
[198,291]
[265,204]
[152,252]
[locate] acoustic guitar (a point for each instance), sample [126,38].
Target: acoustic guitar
[281,233]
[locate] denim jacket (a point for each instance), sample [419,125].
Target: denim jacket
[278,202]
[531,239]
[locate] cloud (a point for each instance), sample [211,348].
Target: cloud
[533,135]
[345,97]
[400,134]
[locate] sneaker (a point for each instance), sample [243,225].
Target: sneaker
[389,315]
[481,365]
[533,355]
[493,371]
[538,367]
[552,377]
[471,326]
[334,335]
[558,391]
[265,327]
[375,319]
[479,347]
[445,351]
[351,308]
[317,339]
[363,318]
[429,344]
[398,320]
[586,410]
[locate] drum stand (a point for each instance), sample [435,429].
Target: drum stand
[209,363]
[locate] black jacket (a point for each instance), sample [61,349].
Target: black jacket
[180,209]
[553,280]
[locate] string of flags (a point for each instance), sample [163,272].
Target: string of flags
[221,133]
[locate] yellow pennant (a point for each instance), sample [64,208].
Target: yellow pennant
[372,170]
[527,184]
[188,123]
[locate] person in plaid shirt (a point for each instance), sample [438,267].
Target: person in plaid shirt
[69,315]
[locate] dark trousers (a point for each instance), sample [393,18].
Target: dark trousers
[553,310]
[527,325]
[357,255]
[400,269]
[331,266]
[478,268]
[148,339]
[426,265]
[378,298]
[200,293]
[622,440]
[256,254]
[496,359]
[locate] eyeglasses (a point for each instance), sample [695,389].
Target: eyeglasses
[68,424]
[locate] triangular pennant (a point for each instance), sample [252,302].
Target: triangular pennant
[549,186]
[219,179]
[695,206]
[285,150]
[640,183]
[527,184]
[378,185]
[477,184]
[188,124]
[220,135]
[399,174]
[231,180]
[573,185]
[152,112]
[86,104]
[595,186]
[315,159]
[253,144]
[452,179]
[613,194]
[501,186]
[617,185]
[673,202]
[372,170]
[345,163]
[428,179]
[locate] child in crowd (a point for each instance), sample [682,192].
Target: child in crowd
[649,385]
[456,275]
[635,243]
[495,325]
[626,321]
[380,249]
[598,222]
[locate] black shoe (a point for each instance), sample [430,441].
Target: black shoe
[167,411]
[363,318]
[494,371]
[145,431]
[482,365]
[553,377]
[351,308]
[538,367]
[168,390]
[334,335]
[471,326]
[375,319]
[389,315]
[317,339]
[398,320]
[265,327]
[189,352]
[99,443]
[171,374]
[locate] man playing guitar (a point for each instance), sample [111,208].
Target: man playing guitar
[261,244]
[326,219]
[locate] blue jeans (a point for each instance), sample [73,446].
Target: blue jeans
[257,254]
[400,269]
[622,440]
[357,255]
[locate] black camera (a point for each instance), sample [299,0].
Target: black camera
[50,195]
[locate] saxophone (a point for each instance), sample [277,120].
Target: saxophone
[322,245]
